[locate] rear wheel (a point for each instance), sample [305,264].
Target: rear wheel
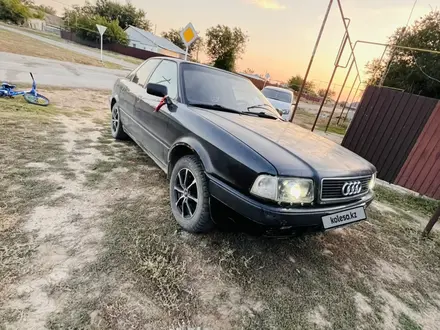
[36,99]
[116,124]
[189,195]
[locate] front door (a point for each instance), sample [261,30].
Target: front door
[155,123]
[131,89]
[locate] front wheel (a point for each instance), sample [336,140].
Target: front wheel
[116,124]
[37,99]
[189,195]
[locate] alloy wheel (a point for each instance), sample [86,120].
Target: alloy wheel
[185,190]
[115,119]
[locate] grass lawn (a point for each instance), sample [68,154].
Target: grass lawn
[88,241]
[52,36]
[19,44]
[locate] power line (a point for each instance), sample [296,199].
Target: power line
[421,70]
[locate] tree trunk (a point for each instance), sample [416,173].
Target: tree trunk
[432,222]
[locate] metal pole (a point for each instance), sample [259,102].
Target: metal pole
[336,64]
[324,21]
[101,47]
[186,53]
[339,96]
[431,223]
[380,61]
[324,98]
[352,100]
[348,37]
[346,101]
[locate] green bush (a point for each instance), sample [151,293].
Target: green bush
[14,11]
[85,28]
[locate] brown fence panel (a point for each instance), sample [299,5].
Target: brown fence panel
[386,127]
[421,171]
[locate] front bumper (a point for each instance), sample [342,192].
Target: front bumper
[276,216]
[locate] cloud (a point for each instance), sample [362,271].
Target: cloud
[268,4]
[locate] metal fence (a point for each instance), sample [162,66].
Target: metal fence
[386,130]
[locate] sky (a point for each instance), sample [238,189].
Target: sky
[282,33]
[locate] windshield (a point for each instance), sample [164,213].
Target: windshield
[277,95]
[203,85]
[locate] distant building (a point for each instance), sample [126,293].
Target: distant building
[142,39]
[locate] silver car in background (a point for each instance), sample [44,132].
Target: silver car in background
[282,99]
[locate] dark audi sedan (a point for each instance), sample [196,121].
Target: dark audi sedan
[220,141]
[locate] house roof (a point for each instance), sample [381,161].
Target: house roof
[158,41]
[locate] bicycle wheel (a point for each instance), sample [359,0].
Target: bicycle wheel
[37,100]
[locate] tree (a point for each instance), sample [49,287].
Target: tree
[113,33]
[46,9]
[14,11]
[174,36]
[330,94]
[225,45]
[296,82]
[249,71]
[124,14]
[414,71]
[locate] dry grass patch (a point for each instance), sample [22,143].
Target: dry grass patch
[19,44]
[306,119]
[125,263]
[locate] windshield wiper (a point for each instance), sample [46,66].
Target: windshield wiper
[260,114]
[225,109]
[262,106]
[214,107]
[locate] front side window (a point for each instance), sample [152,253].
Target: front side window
[141,75]
[215,87]
[277,95]
[166,74]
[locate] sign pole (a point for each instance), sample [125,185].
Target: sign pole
[101,30]
[101,47]
[186,53]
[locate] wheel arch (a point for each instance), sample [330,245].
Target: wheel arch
[188,146]
[113,101]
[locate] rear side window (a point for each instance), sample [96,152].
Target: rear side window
[141,75]
[166,74]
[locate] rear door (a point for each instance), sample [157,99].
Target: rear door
[131,89]
[155,123]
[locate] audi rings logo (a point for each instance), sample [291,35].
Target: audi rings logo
[351,188]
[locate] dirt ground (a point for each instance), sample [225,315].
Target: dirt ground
[87,241]
[19,44]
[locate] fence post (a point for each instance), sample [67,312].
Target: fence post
[431,222]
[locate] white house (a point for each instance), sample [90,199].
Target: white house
[142,39]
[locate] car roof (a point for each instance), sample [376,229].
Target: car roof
[181,61]
[280,89]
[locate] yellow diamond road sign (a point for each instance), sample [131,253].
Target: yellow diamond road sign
[188,34]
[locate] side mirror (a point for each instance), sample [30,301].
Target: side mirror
[157,90]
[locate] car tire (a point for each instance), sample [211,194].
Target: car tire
[189,195]
[116,124]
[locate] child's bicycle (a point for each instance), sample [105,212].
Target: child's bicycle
[7,90]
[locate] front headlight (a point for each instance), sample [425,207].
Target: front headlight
[372,182]
[284,190]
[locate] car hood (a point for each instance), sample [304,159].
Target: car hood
[279,104]
[292,150]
